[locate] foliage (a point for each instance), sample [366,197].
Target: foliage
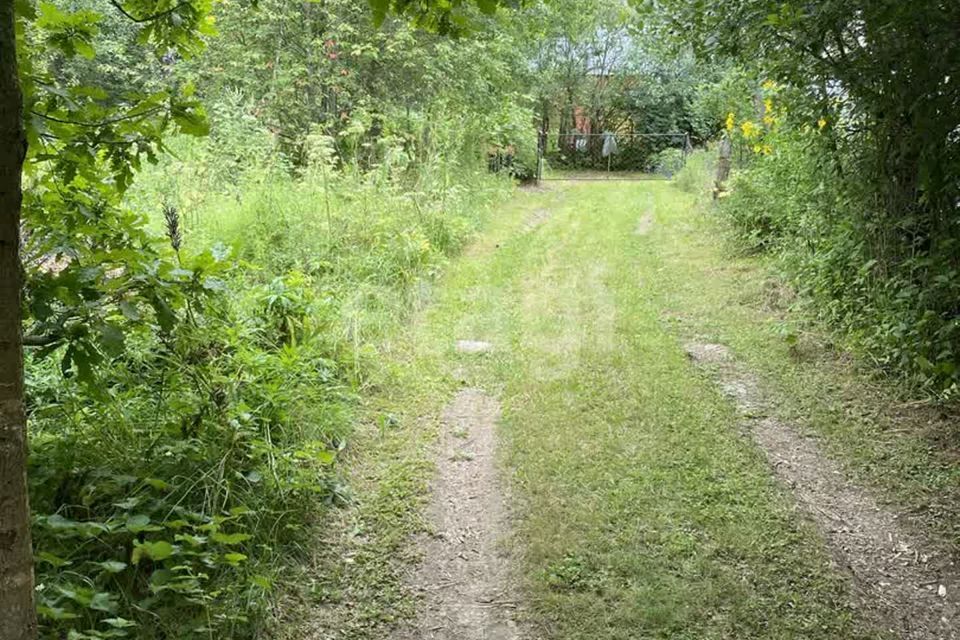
[580,60]
[590,64]
[898,313]
[321,65]
[90,268]
[858,190]
[697,174]
[203,322]
[664,96]
[731,91]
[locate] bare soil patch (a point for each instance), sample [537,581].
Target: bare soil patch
[464,579]
[903,581]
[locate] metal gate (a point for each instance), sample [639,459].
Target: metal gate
[611,156]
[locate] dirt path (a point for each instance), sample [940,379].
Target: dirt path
[640,506]
[904,582]
[464,578]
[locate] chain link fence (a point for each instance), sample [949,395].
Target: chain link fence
[611,156]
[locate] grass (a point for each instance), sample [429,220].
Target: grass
[905,450]
[641,510]
[645,513]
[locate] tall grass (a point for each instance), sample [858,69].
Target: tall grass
[369,241]
[169,495]
[888,287]
[697,175]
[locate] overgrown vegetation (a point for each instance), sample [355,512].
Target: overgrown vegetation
[228,206]
[210,450]
[202,332]
[847,130]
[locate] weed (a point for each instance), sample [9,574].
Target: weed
[167,499]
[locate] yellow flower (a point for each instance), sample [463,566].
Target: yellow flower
[730,122]
[821,123]
[767,149]
[750,130]
[768,105]
[769,85]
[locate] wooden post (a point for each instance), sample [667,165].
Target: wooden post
[541,152]
[723,166]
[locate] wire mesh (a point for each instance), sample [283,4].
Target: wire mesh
[611,156]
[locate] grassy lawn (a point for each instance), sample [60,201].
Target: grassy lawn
[641,510]
[907,451]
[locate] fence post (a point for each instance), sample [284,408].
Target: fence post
[541,152]
[723,166]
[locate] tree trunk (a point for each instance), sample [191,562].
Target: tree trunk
[18,619]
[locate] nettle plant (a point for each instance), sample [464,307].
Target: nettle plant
[185,418]
[168,442]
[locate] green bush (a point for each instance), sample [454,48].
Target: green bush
[668,161]
[891,293]
[169,487]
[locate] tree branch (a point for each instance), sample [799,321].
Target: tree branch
[150,18]
[41,340]
[148,112]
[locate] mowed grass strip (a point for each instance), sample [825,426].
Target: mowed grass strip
[642,510]
[906,451]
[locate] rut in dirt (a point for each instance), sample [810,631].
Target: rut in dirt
[904,582]
[464,579]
